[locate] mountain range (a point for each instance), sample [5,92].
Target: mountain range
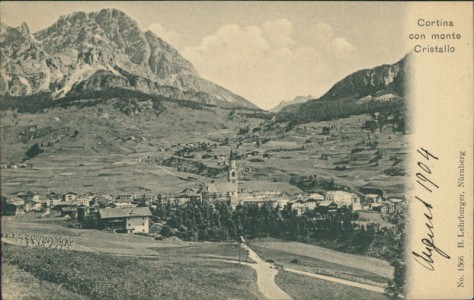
[96,51]
[384,79]
[361,92]
[296,100]
[83,53]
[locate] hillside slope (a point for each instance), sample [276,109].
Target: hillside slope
[369,82]
[365,91]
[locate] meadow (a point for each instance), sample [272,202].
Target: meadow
[105,276]
[105,265]
[320,289]
[366,155]
[19,284]
[323,261]
[169,268]
[101,159]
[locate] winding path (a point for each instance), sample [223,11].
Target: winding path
[167,171]
[265,276]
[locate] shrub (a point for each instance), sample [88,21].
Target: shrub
[33,151]
[394,171]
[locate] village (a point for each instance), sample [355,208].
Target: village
[130,212]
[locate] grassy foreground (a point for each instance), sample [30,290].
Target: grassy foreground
[326,262]
[105,276]
[303,287]
[18,284]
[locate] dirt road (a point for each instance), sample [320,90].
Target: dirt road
[266,274]
[368,287]
[266,278]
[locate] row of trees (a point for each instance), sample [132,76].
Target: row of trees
[39,102]
[313,183]
[392,112]
[219,222]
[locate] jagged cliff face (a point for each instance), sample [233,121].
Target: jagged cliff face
[381,83]
[24,64]
[364,91]
[96,51]
[368,82]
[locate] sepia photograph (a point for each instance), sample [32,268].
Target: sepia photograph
[235,150]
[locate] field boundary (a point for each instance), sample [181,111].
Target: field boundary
[364,286]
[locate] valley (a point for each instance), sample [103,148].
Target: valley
[111,143]
[127,175]
[122,145]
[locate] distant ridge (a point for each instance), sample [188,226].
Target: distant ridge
[296,100]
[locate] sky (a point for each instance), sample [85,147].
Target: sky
[267,52]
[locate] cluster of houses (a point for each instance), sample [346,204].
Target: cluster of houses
[22,202]
[368,198]
[121,213]
[329,202]
[133,138]
[188,151]
[130,212]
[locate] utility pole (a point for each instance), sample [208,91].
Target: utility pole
[240,246]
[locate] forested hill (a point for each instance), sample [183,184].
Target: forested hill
[380,89]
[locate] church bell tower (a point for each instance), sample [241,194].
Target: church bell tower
[232,173]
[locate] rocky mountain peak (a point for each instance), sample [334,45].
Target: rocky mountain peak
[360,92]
[384,78]
[296,100]
[111,13]
[101,50]
[24,29]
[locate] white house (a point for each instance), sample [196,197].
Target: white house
[89,195]
[342,198]
[53,199]
[83,200]
[276,198]
[31,200]
[70,197]
[303,205]
[129,220]
[33,204]
[371,199]
[316,196]
[124,197]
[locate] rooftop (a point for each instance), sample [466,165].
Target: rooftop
[69,209]
[221,187]
[112,213]
[261,186]
[326,203]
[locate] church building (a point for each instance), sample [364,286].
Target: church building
[223,191]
